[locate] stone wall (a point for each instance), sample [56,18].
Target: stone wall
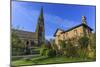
[73,34]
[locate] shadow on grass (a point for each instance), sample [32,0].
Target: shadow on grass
[39,59]
[42,60]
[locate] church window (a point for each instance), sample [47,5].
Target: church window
[27,42]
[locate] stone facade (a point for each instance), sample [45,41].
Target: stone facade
[30,38]
[73,33]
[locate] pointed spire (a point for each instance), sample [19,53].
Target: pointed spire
[40,30]
[41,14]
[84,20]
[40,19]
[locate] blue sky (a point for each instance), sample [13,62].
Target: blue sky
[64,16]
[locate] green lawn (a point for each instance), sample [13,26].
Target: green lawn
[37,60]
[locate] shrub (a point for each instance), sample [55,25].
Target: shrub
[62,44]
[43,51]
[50,53]
[73,51]
[92,54]
[67,49]
[84,41]
[81,53]
[65,52]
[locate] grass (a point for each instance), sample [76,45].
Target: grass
[37,60]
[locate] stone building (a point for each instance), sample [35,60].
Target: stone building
[33,38]
[73,33]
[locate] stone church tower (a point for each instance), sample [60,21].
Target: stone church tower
[40,30]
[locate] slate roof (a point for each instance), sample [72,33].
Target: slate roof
[25,34]
[79,26]
[57,30]
[85,25]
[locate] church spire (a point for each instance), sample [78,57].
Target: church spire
[41,14]
[84,20]
[40,19]
[40,30]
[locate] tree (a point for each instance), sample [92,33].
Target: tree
[47,50]
[63,44]
[50,53]
[52,42]
[83,41]
[43,50]
[92,51]
[67,48]
[71,49]
[17,44]
[93,40]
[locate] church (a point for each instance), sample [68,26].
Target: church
[33,38]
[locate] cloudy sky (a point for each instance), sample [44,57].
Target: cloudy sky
[64,16]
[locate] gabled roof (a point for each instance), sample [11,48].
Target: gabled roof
[85,25]
[82,24]
[57,31]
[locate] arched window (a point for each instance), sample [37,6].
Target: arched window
[27,43]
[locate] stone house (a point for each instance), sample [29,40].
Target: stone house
[73,33]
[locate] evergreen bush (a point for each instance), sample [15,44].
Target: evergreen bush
[50,53]
[43,51]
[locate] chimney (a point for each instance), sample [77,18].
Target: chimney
[84,20]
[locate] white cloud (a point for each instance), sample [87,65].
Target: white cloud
[49,37]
